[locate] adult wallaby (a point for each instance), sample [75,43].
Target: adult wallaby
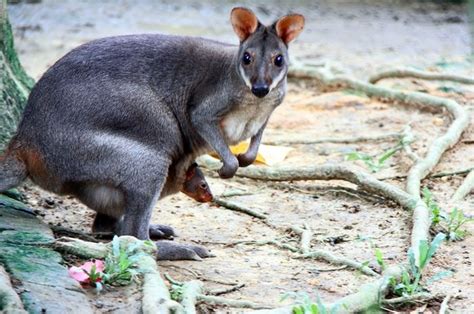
[117,121]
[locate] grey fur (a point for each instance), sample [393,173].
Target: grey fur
[118,121]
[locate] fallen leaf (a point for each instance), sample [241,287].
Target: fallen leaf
[267,155]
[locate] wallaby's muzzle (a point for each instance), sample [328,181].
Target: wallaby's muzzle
[260,90]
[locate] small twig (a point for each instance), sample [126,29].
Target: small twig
[240,208]
[408,138]
[466,187]
[323,270]
[231,303]
[295,140]
[267,242]
[408,299]
[444,305]
[403,73]
[226,290]
[75,233]
[305,234]
[339,260]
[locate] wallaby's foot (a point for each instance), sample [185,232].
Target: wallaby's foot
[245,159]
[172,251]
[161,232]
[229,168]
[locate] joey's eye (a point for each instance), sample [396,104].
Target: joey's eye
[247,58]
[278,60]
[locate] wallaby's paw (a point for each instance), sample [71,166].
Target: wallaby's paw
[245,159]
[229,168]
[161,232]
[172,251]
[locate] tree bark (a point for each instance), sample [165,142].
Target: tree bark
[15,84]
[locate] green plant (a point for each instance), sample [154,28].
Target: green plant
[121,264]
[410,280]
[376,163]
[448,223]
[304,305]
[379,258]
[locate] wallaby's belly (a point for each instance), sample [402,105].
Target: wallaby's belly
[243,124]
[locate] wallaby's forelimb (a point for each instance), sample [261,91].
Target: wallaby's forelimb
[247,158]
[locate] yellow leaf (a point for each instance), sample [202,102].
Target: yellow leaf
[267,155]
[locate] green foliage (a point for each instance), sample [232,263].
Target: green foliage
[121,264]
[449,223]
[304,305]
[176,292]
[410,280]
[376,163]
[379,258]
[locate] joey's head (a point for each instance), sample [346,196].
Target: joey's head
[263,51]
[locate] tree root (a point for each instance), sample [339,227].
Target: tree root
[239,208]
[9,301]
[231,303]
[305,235]
[191,290]
[421,214]
[444,305]
[404,73]
[466,187]
[339,260]
[324,172]
[156,297]
[343,140]
[217,292]
[418,297]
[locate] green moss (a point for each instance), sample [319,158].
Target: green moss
[15,84]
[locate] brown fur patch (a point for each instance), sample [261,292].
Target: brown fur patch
[37,168]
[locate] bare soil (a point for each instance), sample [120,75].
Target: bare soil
[349,224]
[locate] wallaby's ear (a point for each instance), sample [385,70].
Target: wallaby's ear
[244,22]
[191,171]
[289,27]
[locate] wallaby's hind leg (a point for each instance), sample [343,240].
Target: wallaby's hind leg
[104,224]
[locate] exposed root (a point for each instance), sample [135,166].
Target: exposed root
[230,302]
[324,172]
[418,297]
[225,290]
[239,208]
[466,187]
[295,140]
[305,235]
[339,260]
[278,244]
[404,73]
[421,219]
[191,290]
[444,305]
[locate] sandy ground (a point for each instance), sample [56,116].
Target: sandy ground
[360,38]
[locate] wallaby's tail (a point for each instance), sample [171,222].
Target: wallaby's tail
[12,171]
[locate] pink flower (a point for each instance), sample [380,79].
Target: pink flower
[84,273]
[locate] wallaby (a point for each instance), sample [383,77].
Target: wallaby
[117,121]
[195,185]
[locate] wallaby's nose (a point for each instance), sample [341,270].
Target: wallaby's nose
[260,90]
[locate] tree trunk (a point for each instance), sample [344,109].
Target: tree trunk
[15,84]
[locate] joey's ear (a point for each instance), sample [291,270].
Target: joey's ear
[289,27]
[244,22]
[191,172]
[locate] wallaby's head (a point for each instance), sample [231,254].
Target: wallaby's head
[263,53]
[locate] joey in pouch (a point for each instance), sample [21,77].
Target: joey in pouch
[118,121]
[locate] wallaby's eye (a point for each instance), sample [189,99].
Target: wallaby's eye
[278,60]
[247,58]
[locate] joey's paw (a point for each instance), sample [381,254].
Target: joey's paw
[229,168]
[172,251]
[245,159]
[161,232]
